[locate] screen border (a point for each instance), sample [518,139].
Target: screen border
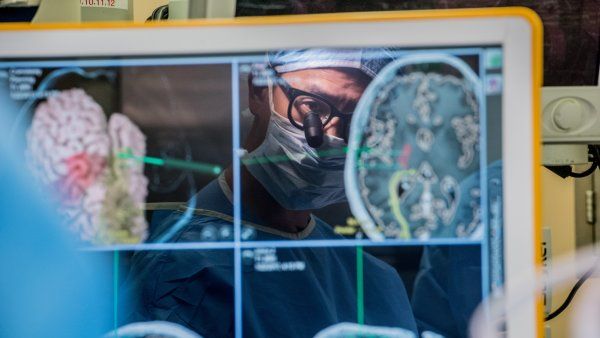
[518,30]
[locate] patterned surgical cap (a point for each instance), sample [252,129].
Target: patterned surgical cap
[369,60]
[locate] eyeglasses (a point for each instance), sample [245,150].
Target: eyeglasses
[304,103]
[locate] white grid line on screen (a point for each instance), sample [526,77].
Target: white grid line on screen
[321,243]
[483,181]
[237,224]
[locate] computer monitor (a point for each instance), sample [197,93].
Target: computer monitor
[269,177]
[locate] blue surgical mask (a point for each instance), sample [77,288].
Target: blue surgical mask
[296,175]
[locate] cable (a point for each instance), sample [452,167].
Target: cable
[596,149]
[585,173]
[571,294]
[595,157]
[565,171]
[595,152]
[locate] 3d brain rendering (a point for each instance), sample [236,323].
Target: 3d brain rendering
[74,153]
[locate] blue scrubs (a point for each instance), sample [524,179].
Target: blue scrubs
[448,287]
[287,292]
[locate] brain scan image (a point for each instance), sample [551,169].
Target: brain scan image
[413,157]
[75,153]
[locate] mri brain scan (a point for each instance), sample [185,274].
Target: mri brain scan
[413,158]
[75,153]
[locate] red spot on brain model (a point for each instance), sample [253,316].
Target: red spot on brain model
[73,151]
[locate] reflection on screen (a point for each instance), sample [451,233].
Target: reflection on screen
[286,195]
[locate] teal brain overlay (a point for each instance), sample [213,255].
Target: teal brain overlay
[413,156]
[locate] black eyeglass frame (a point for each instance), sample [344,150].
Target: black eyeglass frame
[293,93]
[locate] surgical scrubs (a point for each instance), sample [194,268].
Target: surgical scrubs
[448,287]
[290,292]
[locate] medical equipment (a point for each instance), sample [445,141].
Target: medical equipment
[225,49]
[123,10]
[197,9]
[570,122]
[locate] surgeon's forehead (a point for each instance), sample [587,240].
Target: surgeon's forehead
[328,79]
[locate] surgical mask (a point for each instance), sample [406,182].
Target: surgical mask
[296,175]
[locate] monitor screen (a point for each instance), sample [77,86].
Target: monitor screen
[289,193]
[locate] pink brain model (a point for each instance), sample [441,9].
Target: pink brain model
[73,151]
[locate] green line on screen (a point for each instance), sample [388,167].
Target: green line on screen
[196,166]
[360,297]
[212,169]
[115,290]
[289,157]
[204,168]
[153,160]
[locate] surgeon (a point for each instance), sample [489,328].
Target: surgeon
[302,102]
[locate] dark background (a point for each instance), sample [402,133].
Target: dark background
[571,27]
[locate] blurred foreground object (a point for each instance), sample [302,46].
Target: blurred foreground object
[343,330]
[489,321]
[155,329]
[48,289]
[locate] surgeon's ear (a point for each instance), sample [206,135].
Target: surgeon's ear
[258,98]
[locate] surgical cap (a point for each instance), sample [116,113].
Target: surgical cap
[368,60]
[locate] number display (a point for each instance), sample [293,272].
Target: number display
[117,4]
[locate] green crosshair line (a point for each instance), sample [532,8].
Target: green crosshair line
[291,157]
[325,153]
[115,291]
[212,169]
[360,297]
[204,168]
[208,168]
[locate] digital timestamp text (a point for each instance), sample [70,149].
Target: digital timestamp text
[116,4]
